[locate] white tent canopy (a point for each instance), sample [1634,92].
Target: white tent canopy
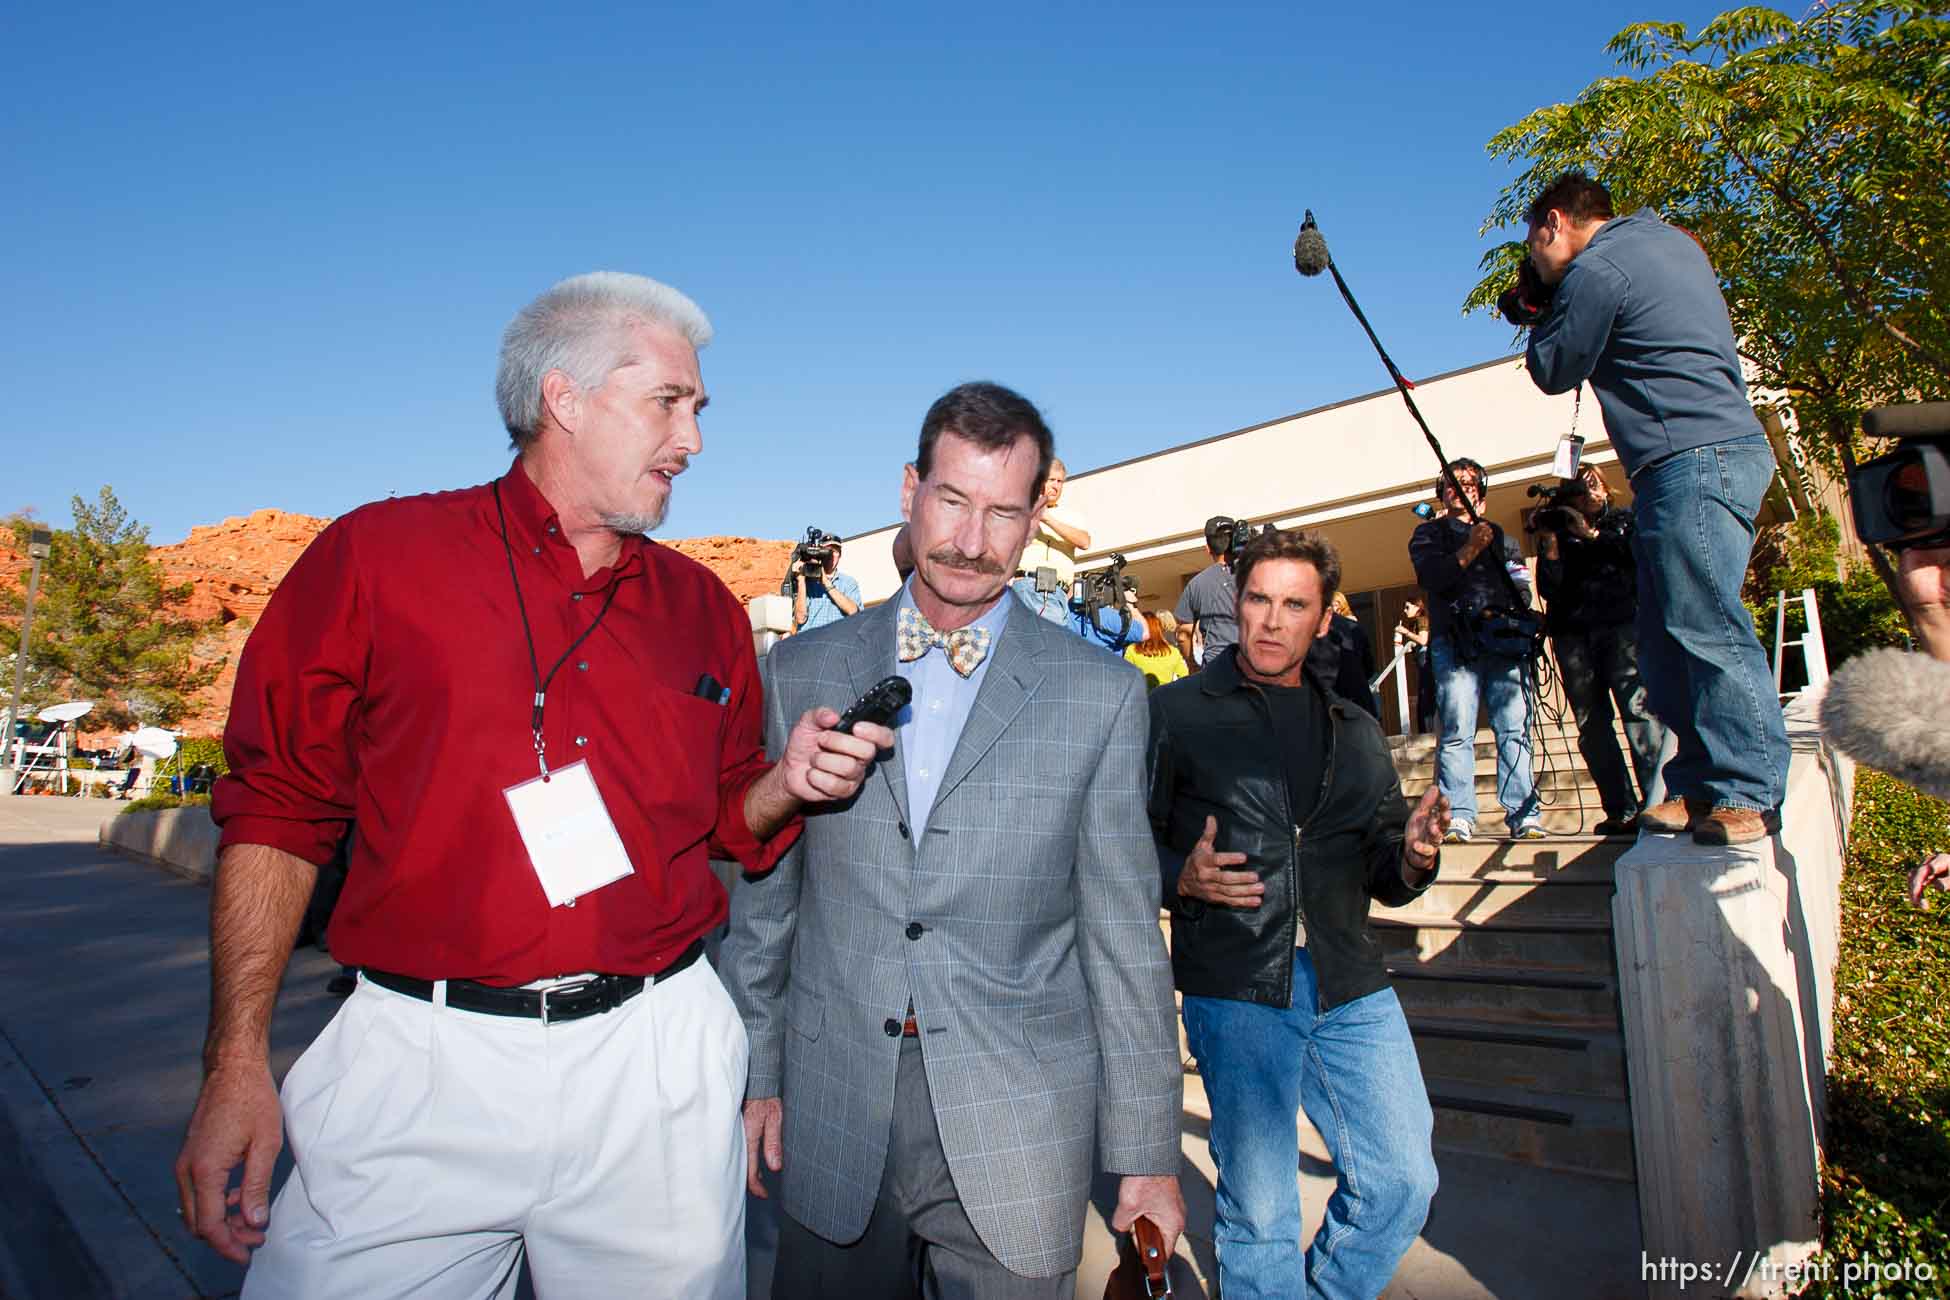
[153,741]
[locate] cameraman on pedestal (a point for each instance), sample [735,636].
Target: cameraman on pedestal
[1631,304]
[821,594]
[1587,576]
[1456,562]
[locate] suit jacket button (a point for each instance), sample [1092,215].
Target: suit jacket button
[915,929]
[893,1027]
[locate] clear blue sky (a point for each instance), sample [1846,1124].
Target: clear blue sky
[262,255]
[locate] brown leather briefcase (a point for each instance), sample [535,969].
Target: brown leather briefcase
[1141,1263]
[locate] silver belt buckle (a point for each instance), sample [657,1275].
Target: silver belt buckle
[579,986]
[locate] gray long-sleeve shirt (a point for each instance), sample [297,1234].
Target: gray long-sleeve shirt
[1639,314]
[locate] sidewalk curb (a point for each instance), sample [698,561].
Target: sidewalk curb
[182,841]
[66,1229]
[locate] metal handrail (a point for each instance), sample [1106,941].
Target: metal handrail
[1397,669]
[1814,650]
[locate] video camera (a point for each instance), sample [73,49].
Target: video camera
[1561,501]
[1228,537]
[1526,301]
[1903,499]
[815,553]
[1092,593]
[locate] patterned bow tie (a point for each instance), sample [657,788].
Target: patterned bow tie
[965,647]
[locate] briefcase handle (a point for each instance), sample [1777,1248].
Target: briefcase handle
[1150,1243]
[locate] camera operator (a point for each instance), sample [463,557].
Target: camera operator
[1049,561]
[1103,608]
[1923,581]
[1457,563]
[1587,577]
[1631,304]
[821,594]
[1209,604]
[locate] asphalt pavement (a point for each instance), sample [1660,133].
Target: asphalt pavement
[103,997]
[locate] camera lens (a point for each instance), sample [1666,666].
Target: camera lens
[1907,495]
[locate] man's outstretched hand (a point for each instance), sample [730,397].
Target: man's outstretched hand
[1422,836]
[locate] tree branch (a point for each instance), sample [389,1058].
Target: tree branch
[1850,289]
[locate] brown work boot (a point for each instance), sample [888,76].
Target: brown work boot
[1674,816]
[1734,826]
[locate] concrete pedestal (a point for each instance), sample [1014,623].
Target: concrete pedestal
[1726,964]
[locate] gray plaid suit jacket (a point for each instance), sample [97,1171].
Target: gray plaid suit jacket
[1040,981]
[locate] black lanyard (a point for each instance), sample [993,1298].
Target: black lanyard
[535,664]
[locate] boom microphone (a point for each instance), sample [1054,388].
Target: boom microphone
[1890,709]
[1310,256]
[1914,420]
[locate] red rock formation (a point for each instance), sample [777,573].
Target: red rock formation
[233,567]
[746,565]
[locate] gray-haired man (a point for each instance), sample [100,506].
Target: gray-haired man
[534,1061]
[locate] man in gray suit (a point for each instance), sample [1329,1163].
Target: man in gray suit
[954,984]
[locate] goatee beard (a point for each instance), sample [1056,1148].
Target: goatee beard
[641,522]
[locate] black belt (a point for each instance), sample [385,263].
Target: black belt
[590,997]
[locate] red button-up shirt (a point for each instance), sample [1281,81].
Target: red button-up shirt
[388,686]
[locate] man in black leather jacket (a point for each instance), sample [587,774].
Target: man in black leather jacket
[1278,816]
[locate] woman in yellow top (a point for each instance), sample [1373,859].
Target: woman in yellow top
[1155,656]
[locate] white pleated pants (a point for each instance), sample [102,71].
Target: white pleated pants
[434,1145]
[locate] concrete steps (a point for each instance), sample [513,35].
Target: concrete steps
[1506,973]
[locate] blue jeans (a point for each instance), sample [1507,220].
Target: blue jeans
[1354,1069]
[1705,673]
[1458,689]
[1054,605]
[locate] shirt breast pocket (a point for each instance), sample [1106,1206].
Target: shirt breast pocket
[678,754]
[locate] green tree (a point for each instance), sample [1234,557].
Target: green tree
[1810,159]
[103,626]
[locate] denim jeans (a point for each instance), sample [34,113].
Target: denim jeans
[1354,1069]
[1053,605]
[1705,672]
[1458,688]
[1598,665]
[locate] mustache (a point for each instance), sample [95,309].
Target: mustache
[950,558]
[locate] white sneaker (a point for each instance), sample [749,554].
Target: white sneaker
[1530,830]
[1459,832]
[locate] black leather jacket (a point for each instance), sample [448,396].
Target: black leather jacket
[1213,754]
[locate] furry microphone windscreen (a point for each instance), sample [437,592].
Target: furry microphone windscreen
[1891,710]
[1310,255]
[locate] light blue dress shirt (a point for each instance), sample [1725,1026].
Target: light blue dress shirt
[820,609]
[931,724]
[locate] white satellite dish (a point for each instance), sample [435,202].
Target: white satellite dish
[155,742]
[66,712]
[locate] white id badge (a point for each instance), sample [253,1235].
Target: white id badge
[1570,453]
[572,843]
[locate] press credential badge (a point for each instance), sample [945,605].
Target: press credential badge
[571,841]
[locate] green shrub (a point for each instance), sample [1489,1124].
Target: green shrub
[1883,1190]
[198,749]
[150,802]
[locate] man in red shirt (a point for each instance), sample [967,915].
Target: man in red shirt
[544,727]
